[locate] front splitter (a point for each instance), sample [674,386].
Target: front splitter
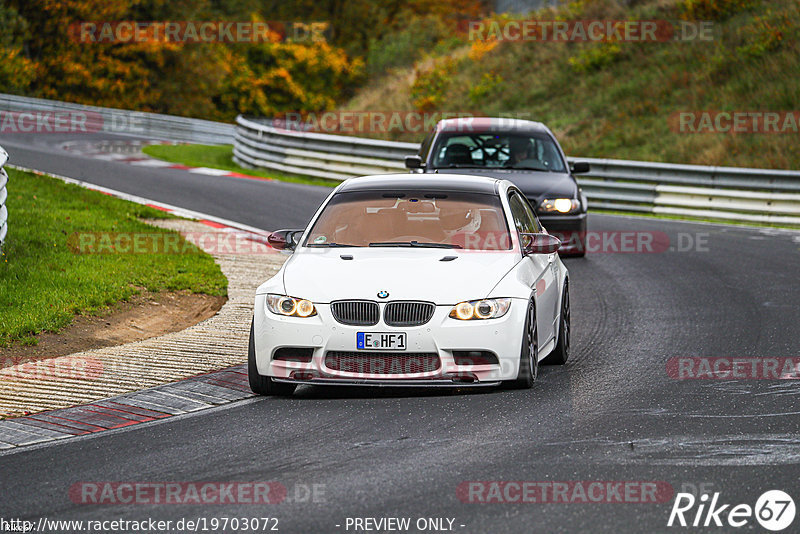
[388,383]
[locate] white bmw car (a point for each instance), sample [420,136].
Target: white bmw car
[413,280]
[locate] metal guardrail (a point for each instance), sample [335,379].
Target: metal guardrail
[319,155]
[3,196]
[93,119]
[730,193]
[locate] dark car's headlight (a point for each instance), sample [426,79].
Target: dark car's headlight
[290,306]
[559,205]
[480,309]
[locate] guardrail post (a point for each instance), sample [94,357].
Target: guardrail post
[3,196]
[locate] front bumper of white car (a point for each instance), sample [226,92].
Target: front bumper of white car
[443,351]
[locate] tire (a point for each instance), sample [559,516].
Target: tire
[263,385]
[560,354]
[528,358]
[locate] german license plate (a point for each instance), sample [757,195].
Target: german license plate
[381,340]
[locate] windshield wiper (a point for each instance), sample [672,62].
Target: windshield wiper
[529,169]
[461,166]
[332,245]
[413,244]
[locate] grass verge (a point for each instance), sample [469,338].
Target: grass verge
[43,283]
[221,157]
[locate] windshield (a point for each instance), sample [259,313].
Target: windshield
[498,150]
[455,220]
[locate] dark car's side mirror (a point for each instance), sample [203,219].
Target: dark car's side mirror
[580,167]
[284,239]
[539,243]
[414,162]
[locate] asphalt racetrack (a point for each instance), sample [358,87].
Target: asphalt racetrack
[614,413]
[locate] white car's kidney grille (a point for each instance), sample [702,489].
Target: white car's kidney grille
[382,363]
[408,313]
[356,312]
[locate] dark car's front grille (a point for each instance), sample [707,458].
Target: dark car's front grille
[382,363]
[356,312]
[408,313]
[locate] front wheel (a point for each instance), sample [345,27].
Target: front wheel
[259,384]
[560,354]
[529,354]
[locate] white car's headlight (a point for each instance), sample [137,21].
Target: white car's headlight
[290,306]
[560,205]
[480,309]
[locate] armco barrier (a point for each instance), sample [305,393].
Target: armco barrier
[320,155]
[729,193]
[125,122]
[3,196]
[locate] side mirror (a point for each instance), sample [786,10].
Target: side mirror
[414,162]
[539,243]
[284,239]
[580,167]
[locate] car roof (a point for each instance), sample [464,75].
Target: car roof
[490,124]
[423,182]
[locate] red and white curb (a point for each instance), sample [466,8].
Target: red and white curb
[130,153]
[189,395]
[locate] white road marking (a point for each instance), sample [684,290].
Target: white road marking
[209,171]
[152,163]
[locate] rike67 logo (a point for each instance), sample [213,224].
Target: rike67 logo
[774,510]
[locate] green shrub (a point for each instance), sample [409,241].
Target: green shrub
[488,85]
[714,9]
[415,37]
[429,88]
[595,56]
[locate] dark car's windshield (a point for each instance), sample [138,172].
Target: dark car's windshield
[454,219]
[497,150]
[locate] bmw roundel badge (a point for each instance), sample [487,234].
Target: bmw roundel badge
[382,294]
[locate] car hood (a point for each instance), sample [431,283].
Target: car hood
[534,184]
[321,275]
